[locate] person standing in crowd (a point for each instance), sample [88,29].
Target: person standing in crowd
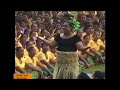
[67,66]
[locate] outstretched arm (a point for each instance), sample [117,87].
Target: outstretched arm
[80,46]
[48,42]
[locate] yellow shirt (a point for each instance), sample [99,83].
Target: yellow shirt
[87,12]
[19,44]
[41,56]
[25,53]
[97,45]
[21,63]
[33,61]
[37,50]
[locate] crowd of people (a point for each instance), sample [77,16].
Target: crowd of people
[34,56]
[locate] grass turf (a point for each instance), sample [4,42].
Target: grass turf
[92,69]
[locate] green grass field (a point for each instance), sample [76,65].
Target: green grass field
[92,69]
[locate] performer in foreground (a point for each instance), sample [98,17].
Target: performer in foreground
[67,43]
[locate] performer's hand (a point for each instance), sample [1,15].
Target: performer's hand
[86,48]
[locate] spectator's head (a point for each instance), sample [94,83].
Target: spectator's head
[83,18]
[42,27]
[100,13]
[53,25]
[89,20]
[34,27]
[32,35]
[96,26]
[29,44]
[25,17]
[38,42]
[45,33]
[38,20]
[86,39]
[71,26]
[89,29]
[58,26]
[47,17]
[83,76]
[19,52]
[91,13]
[19,15]
[96,35]
[54,13]
[31,51]
[53,49]
[67,28]
[45,47]
[17,23]
[99,75]
[23,38]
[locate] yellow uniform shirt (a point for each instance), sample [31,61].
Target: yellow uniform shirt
[19,44]
[96,45]
[41,56]
[21,63]
[37,50]
[25,53]
[87,12]
[33,61]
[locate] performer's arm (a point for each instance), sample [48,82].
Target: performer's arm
[80,46]
[48,42]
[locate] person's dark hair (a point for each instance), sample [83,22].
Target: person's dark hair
[88,26]
[83,75]
[27,42]
[88,16]
[96,32]
[99,75]
[30,48]
[33,25]
[18,48]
